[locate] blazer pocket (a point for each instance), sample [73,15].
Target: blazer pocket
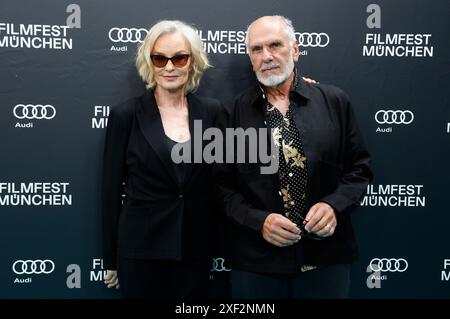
[249,168]
[133,227]
[329,176]
[337,168]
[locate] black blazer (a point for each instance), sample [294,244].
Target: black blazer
[160,217]
[338,173]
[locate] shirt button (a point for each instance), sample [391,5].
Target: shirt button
[180,196]
[290,174]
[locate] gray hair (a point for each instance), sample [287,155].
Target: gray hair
[288,28]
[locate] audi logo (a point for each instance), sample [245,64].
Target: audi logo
[394,117]
[218,265]
[125,35]
[312,39]
[388,264]
[37,112]
[37,266]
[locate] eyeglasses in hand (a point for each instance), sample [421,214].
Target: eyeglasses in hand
[305,233]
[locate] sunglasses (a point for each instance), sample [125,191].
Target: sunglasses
[178,60]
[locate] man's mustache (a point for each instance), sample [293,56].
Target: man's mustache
[268,66]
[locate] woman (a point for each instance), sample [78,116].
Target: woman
[156,243]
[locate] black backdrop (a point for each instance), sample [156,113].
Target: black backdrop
[62,64]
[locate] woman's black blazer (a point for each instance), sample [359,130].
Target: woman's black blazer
[147,213]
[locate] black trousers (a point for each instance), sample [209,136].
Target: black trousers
[320,283]
[161,279]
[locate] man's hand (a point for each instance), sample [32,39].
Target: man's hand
[321,220]
[280,231]
[111,279]
[309,81]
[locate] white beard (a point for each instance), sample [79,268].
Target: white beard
[275,80]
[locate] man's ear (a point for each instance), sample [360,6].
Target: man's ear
[295,52]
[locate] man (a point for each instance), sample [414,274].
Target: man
[289,234]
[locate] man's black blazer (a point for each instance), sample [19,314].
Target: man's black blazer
[160,217]
[338,173]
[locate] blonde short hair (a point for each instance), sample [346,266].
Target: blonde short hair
[199,59]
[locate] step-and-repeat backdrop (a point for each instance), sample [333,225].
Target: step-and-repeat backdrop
[64,64]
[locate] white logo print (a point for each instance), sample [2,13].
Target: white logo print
[394,117]
[388,264]
[218,265]
[37,266]
[36,112]
[312,39]
[125,35]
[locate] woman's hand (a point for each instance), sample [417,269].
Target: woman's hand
[309,81]
[111,279]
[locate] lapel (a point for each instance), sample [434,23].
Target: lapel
[196,112]
[151,126]
[255,113]
[305,124]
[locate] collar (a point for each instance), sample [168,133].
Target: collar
[303,89]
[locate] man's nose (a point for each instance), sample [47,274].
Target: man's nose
[267,55]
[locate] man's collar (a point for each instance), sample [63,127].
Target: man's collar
[302,89]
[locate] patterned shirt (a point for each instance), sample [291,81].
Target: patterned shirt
[292,171]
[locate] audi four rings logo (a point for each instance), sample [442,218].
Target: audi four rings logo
[388,264]
[132,35]
[36,112]
[394,117]
[37,266]
[218,265]
[312,39]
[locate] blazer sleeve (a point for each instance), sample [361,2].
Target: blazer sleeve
[357,172]
[113,177]
[227,196]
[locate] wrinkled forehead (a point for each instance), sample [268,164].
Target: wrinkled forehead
[267,31]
